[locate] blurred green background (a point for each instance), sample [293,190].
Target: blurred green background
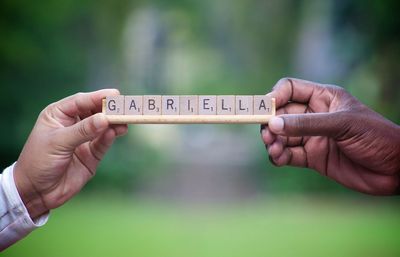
[200,190]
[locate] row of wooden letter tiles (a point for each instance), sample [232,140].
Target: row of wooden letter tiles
[189,105]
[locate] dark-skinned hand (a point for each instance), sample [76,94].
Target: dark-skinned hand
[324,128]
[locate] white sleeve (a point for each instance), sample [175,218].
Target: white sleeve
[15,222]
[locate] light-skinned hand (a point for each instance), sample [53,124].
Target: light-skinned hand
[68,141]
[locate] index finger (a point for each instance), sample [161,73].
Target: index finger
[296,90]
[82,104]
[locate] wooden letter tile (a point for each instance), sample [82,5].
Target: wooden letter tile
[115,105]
[262,105]
[133,105]
[170,105]
[207,105]
[189,105]
[226,105]
[152,105]
[244,105]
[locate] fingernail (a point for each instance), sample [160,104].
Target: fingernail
[276,124]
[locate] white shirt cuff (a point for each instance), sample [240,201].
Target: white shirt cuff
[15,221]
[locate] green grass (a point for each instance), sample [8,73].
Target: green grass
[285,226]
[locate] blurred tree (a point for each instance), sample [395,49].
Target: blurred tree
[45,53]
[378,24]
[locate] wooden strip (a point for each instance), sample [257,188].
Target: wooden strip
[190,119]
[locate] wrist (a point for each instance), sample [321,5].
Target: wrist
[35,207]
[31,198]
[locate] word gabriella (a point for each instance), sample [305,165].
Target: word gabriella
[189,105]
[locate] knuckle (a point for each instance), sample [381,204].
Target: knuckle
[49,108]
[79,94]
[336,90]
[47,111]
[334,87]
[282,82]
[340,94]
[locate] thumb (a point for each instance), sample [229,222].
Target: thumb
[311,124]
[84,131]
